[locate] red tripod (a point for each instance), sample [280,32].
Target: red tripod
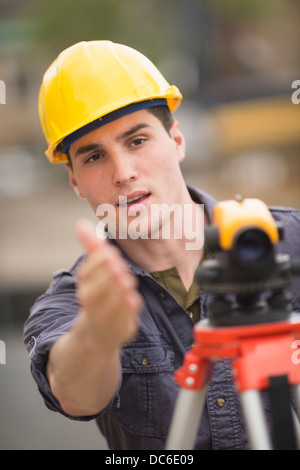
[249,322]
[259,353]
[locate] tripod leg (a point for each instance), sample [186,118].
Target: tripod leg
[255,422]
[186,419]
[296,413]
[296,427]
[296,396]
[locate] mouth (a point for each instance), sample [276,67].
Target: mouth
[132,199]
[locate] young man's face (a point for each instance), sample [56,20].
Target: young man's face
[132,157]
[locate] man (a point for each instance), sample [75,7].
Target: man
[107,336]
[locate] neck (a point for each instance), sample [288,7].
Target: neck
[184,253]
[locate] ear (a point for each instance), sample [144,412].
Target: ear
[179,140]
[73,182]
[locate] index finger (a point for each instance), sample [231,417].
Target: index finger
[86,233]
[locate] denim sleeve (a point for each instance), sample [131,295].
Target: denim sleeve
[52,315]
[290,244]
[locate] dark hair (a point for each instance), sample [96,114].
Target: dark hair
[161,112]
[69,158]
[164,115]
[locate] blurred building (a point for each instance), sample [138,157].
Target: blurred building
[235,63]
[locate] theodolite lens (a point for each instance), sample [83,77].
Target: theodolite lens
[253,246]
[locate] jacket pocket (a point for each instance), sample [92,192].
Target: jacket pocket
[147,359]
[148,390]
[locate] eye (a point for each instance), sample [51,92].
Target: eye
[93,158]
[137,142]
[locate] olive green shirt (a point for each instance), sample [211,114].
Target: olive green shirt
[189,300]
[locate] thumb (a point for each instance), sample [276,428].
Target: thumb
[86,234]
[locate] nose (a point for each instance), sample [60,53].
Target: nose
[123,170]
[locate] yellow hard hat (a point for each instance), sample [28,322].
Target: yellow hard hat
[92,80]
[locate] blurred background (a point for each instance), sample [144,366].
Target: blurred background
[234,62]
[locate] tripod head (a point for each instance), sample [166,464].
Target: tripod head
[245,274]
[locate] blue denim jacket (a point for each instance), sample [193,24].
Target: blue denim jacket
[140,414]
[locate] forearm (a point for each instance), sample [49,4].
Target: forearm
[84,365]
[83,372]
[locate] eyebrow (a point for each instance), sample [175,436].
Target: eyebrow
[133,130]
[85,149]
[89,147]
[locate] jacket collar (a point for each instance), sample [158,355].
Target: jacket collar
[201,197]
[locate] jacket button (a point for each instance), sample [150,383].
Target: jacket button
[145,361]
[163,294]
[220,402]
